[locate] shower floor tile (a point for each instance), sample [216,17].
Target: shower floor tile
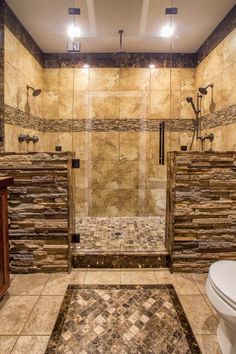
[121,234]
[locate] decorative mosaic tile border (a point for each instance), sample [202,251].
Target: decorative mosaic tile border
[17,117]
[65,307]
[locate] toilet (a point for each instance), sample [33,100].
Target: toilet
[221,291]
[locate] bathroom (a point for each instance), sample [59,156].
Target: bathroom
[117,170]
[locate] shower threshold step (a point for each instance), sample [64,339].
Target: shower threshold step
[119,259]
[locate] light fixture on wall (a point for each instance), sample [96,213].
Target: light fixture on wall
[152,66]
[86,66]
[167,31]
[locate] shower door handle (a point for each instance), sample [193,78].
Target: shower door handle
[162,143]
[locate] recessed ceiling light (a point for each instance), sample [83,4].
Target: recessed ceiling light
[73,31]
[86,66]
[167,31]
[152,66]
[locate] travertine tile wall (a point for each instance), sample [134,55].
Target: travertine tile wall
[219,68]
[120,174]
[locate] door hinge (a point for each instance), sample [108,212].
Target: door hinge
[75,238]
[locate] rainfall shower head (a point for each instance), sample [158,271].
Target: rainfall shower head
[121,57]
[36,92]
[203,90]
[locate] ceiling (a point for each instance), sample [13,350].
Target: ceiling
[142,20]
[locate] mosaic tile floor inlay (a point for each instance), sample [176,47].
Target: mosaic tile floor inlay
[121,233]
[122,319]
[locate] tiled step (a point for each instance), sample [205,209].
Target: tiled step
[99,259]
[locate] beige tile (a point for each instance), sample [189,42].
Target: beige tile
[129,146]
[211,307]
[103,202]
[128,174]
[105,175]
[31,344]
[105,146]
[229,79]
[138,277]
[134,79]
[128,202]
[11,47]
[164,277]
[200,281]
[14,312]
[229,49]
[187,79]
[28,284]
[104,105]
[43,316]
[104,79]
[50,104]
[81,79]
[184,284]
[58,282]
[81,202]
[213,62]
[160,79]
[159,105]
[199,314]
[102,277]
[7,343]
[208,344]
[65,104]
[65,79]
[50,79]
[81,105]
[11,85]
[134,104]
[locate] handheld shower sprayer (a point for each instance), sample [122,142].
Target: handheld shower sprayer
[189,99]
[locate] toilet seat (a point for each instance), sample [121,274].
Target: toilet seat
[222,276]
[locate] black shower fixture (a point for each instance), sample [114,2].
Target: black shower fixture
[121,57]
[203,90]
[36,92]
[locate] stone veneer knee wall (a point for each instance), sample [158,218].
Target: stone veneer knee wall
[39,211]
[201,204]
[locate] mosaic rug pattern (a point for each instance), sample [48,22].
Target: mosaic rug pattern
[122,319]
[121,233]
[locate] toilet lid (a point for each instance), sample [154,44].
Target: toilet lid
[223,277]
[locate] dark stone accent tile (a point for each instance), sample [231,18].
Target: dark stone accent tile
[137,60]
[222,117]
[20,32]
[113,318]
[227,25]
[119,260]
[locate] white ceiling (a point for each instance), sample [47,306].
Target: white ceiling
[142,20]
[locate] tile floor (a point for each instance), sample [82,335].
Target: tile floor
[121,233]
[29,311]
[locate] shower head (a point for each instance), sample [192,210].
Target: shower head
[203,90]
[121,57]
[36,92]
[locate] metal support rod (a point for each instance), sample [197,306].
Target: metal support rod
[162,143]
